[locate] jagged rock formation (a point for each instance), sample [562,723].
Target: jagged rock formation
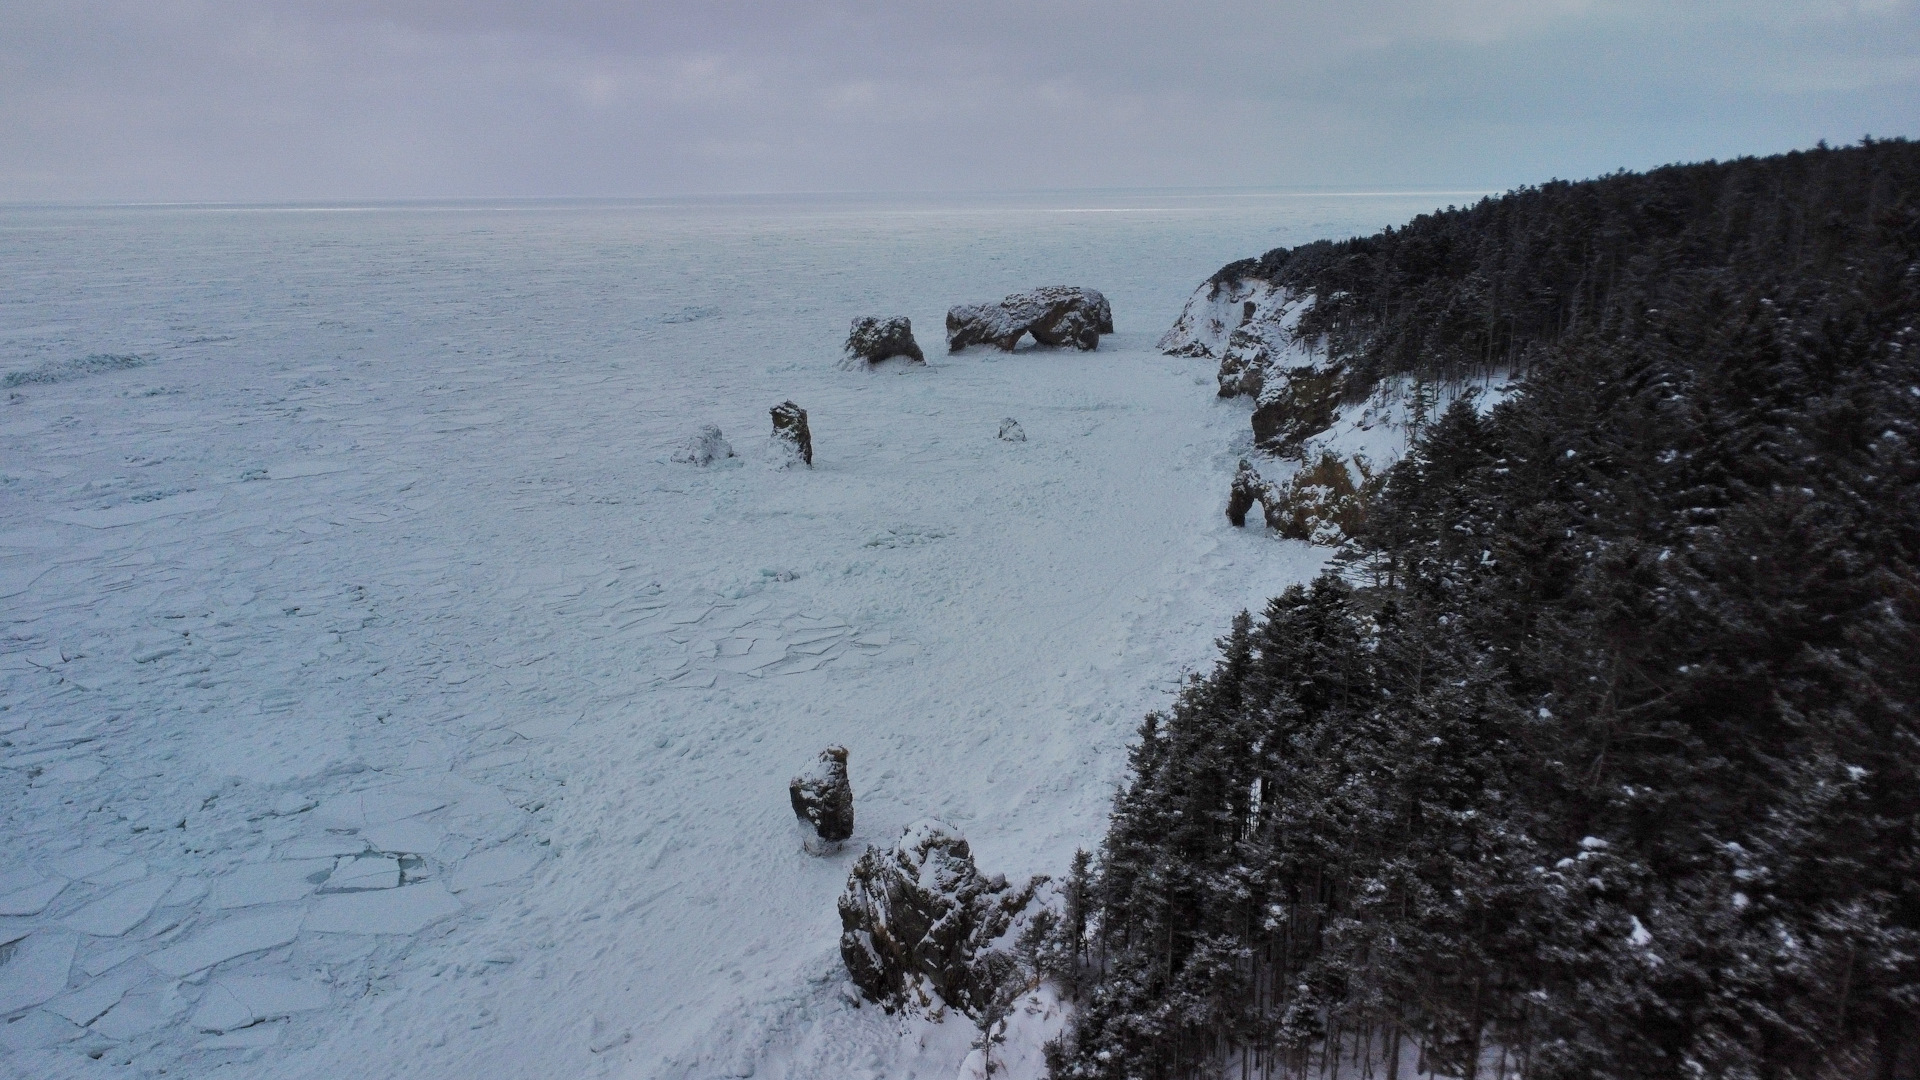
[1249,487]
[921,920]
[704,448]
[1222,304]
[1054,315]
[1011,431]
[1322,502]
[1344,429]
[1248,322]
[1295,404]
[1252,325]
[822,797]
[790,433]
[872,340]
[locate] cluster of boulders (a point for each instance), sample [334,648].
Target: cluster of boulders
[1054,315]
[919,922]
[920,926]
[792,440]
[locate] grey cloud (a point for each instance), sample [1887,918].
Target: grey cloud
[213,99]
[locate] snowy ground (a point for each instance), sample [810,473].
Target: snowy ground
[377,698]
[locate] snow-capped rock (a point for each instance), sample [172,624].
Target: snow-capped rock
[1218,307]
[921,920]
[791,439]
[1252,325]
[705,447]
[1244,321]
[1011,431]
[1054,315]
[822,797]
[872,340]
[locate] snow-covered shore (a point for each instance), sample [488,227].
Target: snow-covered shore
[378,694]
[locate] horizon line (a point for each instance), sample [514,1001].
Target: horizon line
[424,201]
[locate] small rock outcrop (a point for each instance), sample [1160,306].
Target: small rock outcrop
[872,340]
[704,448]
[1011,431]
[1054,315]
[1321,503]
[1249,487]
[823,802]
[921,919]
[790,434]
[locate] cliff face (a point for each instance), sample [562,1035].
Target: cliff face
[1255,310]
[1329,431]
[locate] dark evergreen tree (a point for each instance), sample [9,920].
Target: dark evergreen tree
[1613,769]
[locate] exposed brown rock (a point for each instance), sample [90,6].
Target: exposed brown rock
[822,797]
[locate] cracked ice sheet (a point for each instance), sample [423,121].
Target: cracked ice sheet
[438,444]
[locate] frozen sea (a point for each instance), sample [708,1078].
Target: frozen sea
[378,699]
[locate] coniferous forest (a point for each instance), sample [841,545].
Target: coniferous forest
[1600,757]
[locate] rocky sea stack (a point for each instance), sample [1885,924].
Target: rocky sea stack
[822,797]
[1055,315]
[790,433]
[871,340]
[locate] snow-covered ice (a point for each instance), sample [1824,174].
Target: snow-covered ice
[35,968]
[377,696]
[121,910]
[237,1002]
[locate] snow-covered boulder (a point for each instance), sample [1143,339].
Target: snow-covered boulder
[791,438]
[822,797]
[705,447]
[921,920]
[1011,431]
[1054,315]
[872,340]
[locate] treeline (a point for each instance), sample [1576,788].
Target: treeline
[1476,288]
[1602,758]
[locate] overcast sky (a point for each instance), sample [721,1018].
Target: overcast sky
[315,99]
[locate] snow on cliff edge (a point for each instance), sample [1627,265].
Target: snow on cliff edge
[1306,410]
